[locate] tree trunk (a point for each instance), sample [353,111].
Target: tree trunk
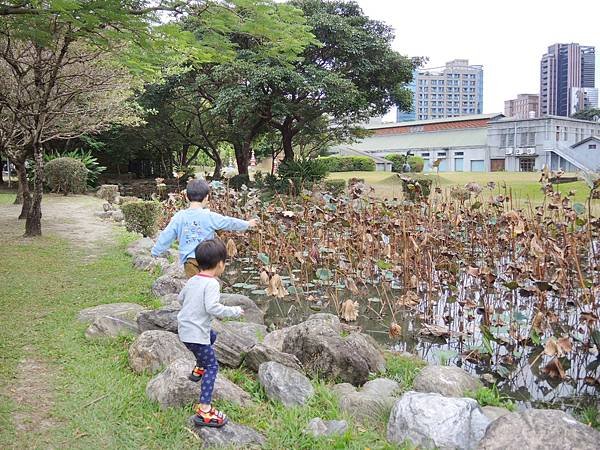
[218,168]
[243,158]
[33,224]
[287,137]
[23,193]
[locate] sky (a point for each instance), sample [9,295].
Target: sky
[507,37]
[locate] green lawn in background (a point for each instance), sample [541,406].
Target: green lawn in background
[524,185]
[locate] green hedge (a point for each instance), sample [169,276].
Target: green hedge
[66,176]
[336,187]
[349,163]
[142,217]
[416,163]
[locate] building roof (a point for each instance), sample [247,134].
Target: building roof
[468,137]
[512,119]
[591,138]
[416,123]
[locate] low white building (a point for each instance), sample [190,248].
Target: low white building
[486,143]
[529,144]
[459,143]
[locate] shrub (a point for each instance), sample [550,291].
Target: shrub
[142,217]
[349,163]
[89,161]
[66,175]
[302,173]
[335,187]
[108,192]
[239,180]
[416,189]
[416,163]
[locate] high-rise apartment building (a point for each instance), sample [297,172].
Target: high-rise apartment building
[525,106]
[453,90]
[564,68]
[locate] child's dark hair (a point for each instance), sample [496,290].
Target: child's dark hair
[197,190]
[210,253]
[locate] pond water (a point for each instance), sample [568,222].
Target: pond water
[519,370]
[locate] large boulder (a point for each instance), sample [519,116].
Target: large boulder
[140,247]
[261,353]
[252,313]
[232,436]
[275,338]
[149,263]
[235,339]
[494,412]
[128,311]
[539,429]
[432,421]
[155,349]
[375,399]
[324,353]
[168,283]
[318,427]
[173,388]
[446,380]
[109,326]
[284,384]
[170,299]
[164,318]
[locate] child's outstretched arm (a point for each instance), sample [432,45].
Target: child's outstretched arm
[214,307]
[226,223]
[165,239]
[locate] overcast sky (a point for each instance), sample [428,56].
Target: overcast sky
[507,37]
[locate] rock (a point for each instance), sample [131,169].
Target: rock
[171,300]
[284,384]
[149,263]
[173,388]
[231,435]
[118,216]
[494,412]
[324,353]
[164,318]
[103,214]
[252,313]
[168,284]
[275,338]
[319,427]
[140,247]
[430,420]
[446,380]
[234,340]
[261,353]
[127,311]
[539,429]
[375,399]
[155,349]
[109,326]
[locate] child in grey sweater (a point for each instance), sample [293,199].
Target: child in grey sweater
[200,300]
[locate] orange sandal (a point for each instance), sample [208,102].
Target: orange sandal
[196,374]
[212,418]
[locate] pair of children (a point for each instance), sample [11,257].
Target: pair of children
[204,258]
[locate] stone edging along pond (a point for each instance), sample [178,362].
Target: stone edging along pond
[434,414]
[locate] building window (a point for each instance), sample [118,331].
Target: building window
[503,140]
[531,139]
[592,146]
[526,164]
[511,140]
[459,153]
[523,141]
[425,155]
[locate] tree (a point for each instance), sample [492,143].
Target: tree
[588,114]
[49,48]
[350,75]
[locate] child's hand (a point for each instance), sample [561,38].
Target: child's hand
[254,223]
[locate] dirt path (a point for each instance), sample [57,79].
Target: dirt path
[69,217]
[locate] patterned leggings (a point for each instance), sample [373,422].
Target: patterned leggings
[205,358]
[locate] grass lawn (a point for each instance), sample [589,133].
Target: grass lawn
[95,400]
[524,186]
[6,198]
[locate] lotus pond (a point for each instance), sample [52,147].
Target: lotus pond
[461,277]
